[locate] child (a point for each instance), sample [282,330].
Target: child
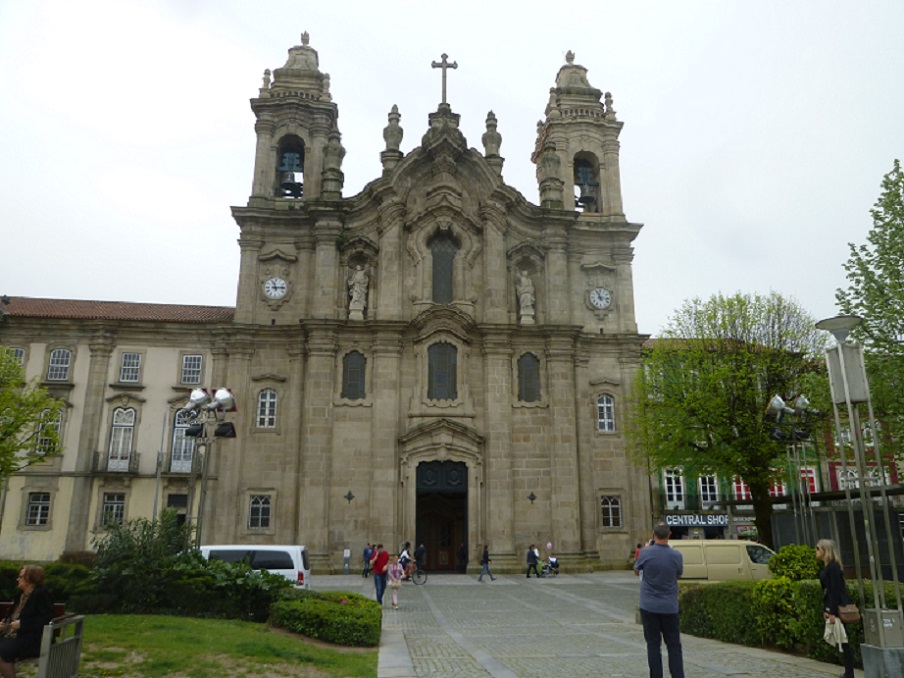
[394,580]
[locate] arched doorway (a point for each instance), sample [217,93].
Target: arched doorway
[441,512]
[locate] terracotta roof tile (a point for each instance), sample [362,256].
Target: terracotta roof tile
[26,307]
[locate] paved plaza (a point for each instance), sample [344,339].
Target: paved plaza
[574,625]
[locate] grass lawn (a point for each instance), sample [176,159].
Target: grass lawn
[150,646]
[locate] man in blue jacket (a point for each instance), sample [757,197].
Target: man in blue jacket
[661,566]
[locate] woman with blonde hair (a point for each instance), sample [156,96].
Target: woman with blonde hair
[834,594]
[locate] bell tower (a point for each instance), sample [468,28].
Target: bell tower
[576,152]
[297,132]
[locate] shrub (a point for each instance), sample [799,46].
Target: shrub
[334,616]
[86,558]
[62,580]
[722,611]
[796,562]
[777,612]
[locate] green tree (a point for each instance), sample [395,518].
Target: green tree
[875,292]
[29,416]
[700,397]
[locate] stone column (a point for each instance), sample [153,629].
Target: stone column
[249,286]
[317,436]
[494,270]
[613,196]
[499,510]
[557,288]
[622,257]
[265,160]
[389,286]
[563,463]
[326,264]
[383,492]
[101,348]
[585,426]
[230,368]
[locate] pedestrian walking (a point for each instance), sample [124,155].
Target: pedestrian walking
[485,564]
[834,593]
[394,580]
[533,557]
[368,553]
[661,566]
[379,563]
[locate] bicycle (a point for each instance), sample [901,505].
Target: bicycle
[415,574]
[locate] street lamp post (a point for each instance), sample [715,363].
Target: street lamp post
[883,649]
[205,413]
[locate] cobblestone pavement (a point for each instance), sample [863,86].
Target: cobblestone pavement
[573,625]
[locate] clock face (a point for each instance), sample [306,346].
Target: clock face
[600,297]
[275,288]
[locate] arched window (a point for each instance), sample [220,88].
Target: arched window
[442,368]
[528,378]
[605,414]
[55,423]
[121,437]
[443,248]
[611,511]
[266,409]
[587,183]
[58,369]
[290,168]
[183,445]
[259,511]
[353,365]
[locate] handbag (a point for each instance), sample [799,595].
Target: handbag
[848,614]
[395,583]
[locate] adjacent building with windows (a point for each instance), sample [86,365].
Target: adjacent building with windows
[435,359]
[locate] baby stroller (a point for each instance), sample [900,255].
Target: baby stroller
[550,567]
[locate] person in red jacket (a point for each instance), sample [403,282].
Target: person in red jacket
[379,563]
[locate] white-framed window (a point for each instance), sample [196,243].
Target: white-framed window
[808,479]
[849,479]
[709,489]
[611,511]
[113,509]
[605,413]
[266,409]
[18,354]
[121,436]
[183,445]
[777,486]
[191,369]
[58,367]
[130,368]
[37,511]
[674,488]
[55,423]
[741,489]
[259,511]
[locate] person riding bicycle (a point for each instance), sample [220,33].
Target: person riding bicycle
[405,559]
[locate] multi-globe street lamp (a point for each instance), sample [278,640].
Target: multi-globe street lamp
[883,649]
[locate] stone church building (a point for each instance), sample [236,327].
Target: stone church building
[435,359]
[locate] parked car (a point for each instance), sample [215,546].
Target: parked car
[723,560]
[289,561]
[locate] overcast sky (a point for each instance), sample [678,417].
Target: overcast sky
[756,134]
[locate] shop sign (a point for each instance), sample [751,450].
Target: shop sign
[698,520]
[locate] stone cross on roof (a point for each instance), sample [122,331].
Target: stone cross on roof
[444,64]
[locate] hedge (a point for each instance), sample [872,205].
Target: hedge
[334,616]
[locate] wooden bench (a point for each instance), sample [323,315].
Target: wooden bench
[61,644]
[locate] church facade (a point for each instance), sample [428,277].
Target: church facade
[435,359]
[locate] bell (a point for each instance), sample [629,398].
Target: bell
[289,186]
[586,199]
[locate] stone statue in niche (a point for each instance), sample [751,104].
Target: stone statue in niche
[358,282]
[526,298]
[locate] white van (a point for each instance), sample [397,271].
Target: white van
[289,561]
[723,559]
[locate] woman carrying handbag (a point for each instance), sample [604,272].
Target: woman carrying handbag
[835,595]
